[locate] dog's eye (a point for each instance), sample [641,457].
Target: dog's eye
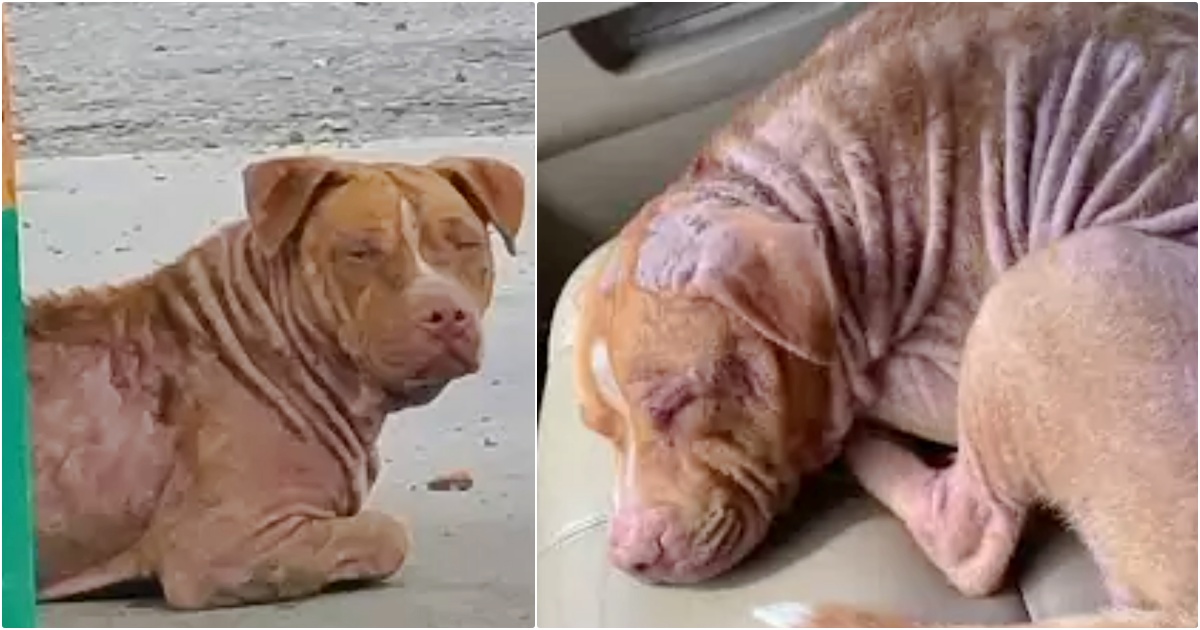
[664,407]
[362,252]
[466,244]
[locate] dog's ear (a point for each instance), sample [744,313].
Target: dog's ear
[495,190]
[774,275]
[281,191]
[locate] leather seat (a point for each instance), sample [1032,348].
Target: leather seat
[836,545]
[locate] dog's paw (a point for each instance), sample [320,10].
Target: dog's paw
[784,615]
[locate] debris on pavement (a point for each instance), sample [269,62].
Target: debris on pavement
[454,481]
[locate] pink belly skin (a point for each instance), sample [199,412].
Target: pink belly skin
[102,456]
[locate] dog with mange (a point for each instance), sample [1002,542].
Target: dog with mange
[212,425]
[970,223]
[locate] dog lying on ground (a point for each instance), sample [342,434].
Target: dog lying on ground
[213,424]
[973,224]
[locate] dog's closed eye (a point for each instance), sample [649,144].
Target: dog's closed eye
[673,400]
[664,404]
[463,237]
[466,243]
[362,251]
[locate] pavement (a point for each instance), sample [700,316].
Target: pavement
[102,78]
[103,219]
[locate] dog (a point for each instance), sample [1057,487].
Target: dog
[212,425]
[973,224]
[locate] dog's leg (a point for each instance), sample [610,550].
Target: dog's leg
[1077,389]
[962,525]
[967,517]
[317,553]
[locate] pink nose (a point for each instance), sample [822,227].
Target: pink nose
[445,318]
[636,541]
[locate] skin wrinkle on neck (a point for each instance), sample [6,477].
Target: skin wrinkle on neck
[327,376]
[329,367]
[851,259]
[324,355]
[320,398]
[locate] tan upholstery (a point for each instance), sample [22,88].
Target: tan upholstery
[837,545]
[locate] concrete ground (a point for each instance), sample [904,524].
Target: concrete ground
[89,220]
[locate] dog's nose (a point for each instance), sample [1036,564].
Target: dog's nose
[443,317]
[636,541]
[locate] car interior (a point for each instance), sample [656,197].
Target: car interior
[627,92]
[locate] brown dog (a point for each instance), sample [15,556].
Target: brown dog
[213,425]
[975,224]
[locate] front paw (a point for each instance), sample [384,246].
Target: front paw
[386,541]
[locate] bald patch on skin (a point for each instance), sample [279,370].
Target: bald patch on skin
[670,252]
[681,247]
